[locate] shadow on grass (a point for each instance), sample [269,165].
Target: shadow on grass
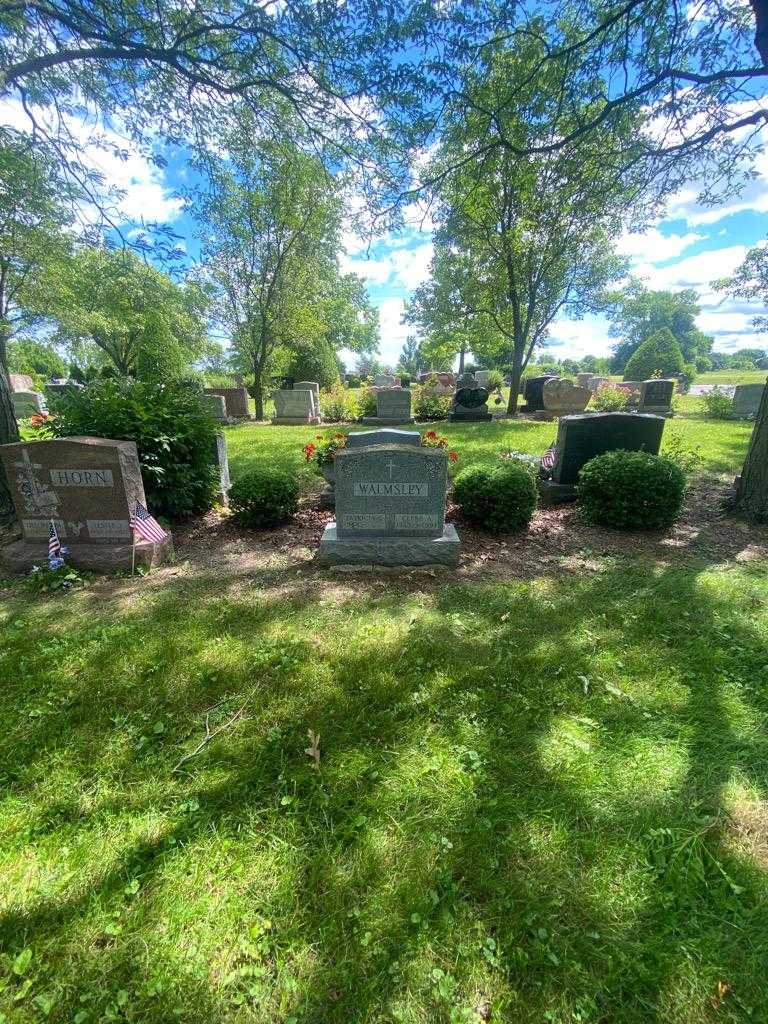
[522,807]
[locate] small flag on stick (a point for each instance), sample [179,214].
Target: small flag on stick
[146,526]
[54,544]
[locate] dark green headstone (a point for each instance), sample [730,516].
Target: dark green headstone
[581,438]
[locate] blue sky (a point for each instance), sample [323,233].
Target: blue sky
[688,248]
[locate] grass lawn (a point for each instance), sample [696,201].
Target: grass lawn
[538,800]
[733,377]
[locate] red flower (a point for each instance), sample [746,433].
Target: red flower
[431,434]
[453,456]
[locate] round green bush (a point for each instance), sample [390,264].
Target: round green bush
[499,498]
[264,497]
[631,490]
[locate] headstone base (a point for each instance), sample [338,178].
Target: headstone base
[658,410]
[381,421]
[23,554]
[291,421]
[471,416]
[328,497]
[389,550]
[543,415]
[555,494]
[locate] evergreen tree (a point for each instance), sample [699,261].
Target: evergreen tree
[658,356]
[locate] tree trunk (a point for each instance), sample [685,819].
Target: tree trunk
[752,490]
[514,385]
[760,10]
[258,394]
[9,432]
[462,354]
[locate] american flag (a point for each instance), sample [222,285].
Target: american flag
[54,544]
[145,525]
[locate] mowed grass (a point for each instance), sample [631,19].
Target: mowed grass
[722,444]
[539,801]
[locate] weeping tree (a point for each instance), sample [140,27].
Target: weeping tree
[750,282]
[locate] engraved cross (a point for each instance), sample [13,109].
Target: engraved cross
[390,466]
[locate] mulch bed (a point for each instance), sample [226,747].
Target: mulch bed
[555,541]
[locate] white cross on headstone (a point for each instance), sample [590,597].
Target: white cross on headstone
[26,464]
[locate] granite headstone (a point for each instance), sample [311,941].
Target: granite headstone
[470,401]
[236,400]
[561,398]
[746,400]
[89,487]
[390,507]
[28,403]
[656,397]
[215,406]
[533,392]
[393,405]
[295,407]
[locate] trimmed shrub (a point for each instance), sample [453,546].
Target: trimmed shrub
[264,497]
[658,356]
[499,498]
[609,399]
[174,436]
[338,404]
[367,405]
[718,405]
[316,363]
[427,405]
[631,490]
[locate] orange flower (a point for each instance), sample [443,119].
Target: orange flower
[338,436]
[453,456]
[431,434]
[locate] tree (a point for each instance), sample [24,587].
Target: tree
[411,360]
[658,356]
[751,282]
[637,312]
[143,323]
[519,241]
[268,221]
[26,356]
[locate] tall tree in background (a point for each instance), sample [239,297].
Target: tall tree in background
[637,312]
[143,323]
[518,241]
[750,282]
[269,220]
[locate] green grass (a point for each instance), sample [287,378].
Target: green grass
[525,798]
[538,801]
[721,443]
[733,377]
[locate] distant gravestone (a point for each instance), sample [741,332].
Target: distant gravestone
[221,462]
[384,380]
[215,406]
[581,438]
[632,389]
[236,400]
[746,400]
[482,377]
[597,382]
[393,405]
[656,397]
[561,398]
[390,508]
[295,407]
[28,403]
[21,382]
[307,385]
[583,379]
[470,401]
[89,486]
[533,393]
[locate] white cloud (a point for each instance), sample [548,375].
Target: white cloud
[654,247]
[146,195]
[393,332]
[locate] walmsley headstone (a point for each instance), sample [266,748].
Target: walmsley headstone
[89,487]
[390,507]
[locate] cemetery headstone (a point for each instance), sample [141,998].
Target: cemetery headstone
[307,385]
[390,507]
[597,382]
[482,377]
[582,437]
[583,379]
[470,401]
[215,406]
[295,407]
[384,380]
[533,393]
[366,438]
[656,397]
[393,405]
[236,400]
[221,462]
[89,487]
[746,400]
[632,388]
[28,403]
[561,398]
[21,382]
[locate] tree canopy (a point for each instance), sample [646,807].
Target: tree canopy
[638,312]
